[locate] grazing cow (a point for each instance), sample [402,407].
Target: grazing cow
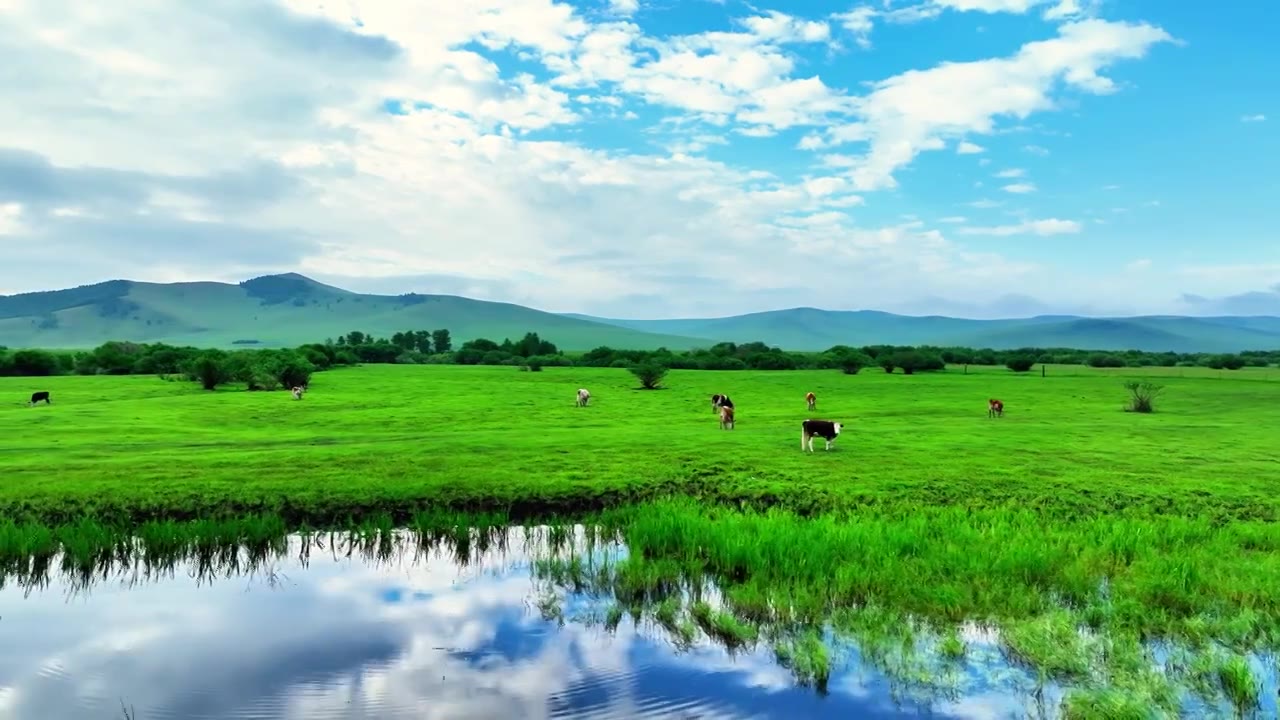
[726,417]
[995,408]
[584,397]
[297,391]
[38,396]
[811,400]
[718,401]
[824,429]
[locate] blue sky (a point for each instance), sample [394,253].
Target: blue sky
[654,158]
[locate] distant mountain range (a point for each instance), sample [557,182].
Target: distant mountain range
[290,309]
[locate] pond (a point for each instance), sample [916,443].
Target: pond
[502,626]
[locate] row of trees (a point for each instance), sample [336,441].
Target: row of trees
[282,368]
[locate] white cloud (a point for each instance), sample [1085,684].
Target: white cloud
[915,111]
[1035,150]
[1258,117]
[1051,226]
[954,219]
[1019,188]
[1011,173]
[624,7]
[264,127]
[1138,265]
[10,217]
[859,22]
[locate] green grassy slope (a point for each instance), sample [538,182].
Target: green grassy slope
[812,329]
[281,310]
[492,438]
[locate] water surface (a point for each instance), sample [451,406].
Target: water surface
[418,633]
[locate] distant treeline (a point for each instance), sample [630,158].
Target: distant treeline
[271,368]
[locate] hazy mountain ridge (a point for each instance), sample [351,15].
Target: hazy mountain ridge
[813,329]
[290,309]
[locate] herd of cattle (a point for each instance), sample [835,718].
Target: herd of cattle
[828,430]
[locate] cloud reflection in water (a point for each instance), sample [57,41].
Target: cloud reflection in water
[425,638]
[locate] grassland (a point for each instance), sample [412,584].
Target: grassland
[397,439]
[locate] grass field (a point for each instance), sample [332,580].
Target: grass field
[1066,513]
[398,438]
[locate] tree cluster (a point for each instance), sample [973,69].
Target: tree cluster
[272,368]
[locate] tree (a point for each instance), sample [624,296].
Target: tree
[422,341]
[853,362]
[886,362]
[441,341]
[1020,363]
[650,375]
[912,361]
[33,363]
[1142,395]
[209,369]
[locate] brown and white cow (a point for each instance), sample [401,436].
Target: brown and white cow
[584,397]
[825,429]
[726,417]
[995,408]
[811,400]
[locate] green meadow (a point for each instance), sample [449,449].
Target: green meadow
[397,439]
[1080,531]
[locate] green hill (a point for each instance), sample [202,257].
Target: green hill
[813,329]
[281,310]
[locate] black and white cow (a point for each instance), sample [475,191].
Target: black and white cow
[41,395]
[824,429]
[718,401]
[584,397]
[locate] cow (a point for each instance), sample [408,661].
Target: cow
[41,395]
[297,391]
[995,408]
[726,417]
[718,401]
[811,400]
[584,397]
[824,429]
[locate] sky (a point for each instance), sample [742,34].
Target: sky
[654,158]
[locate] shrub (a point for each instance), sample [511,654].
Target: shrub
[1142,395]
[1020,363]
[649,375]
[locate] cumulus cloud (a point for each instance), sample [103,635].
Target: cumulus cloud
[483,146]
[1256,117]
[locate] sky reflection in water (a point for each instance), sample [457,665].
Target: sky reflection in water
[420,638]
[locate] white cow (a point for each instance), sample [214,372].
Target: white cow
[584,397]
